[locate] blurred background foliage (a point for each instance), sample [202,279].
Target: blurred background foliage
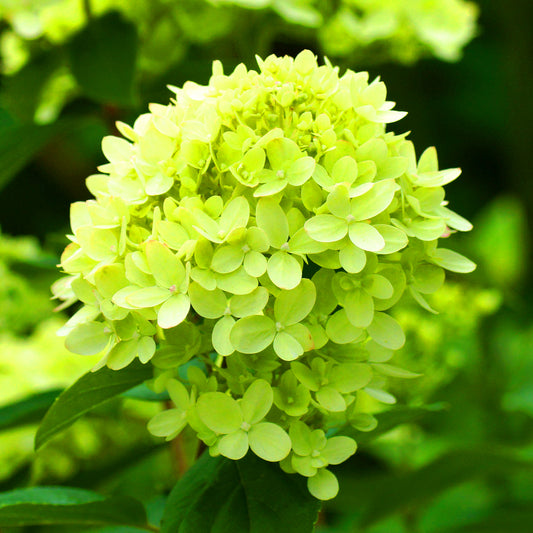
[457,454]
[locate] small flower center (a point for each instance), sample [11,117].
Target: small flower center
[172,289]
[245,426]
[280,174]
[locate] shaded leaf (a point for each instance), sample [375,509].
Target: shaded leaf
[103,56]
[248,496]
[62,505]
[91,390]
[27,410]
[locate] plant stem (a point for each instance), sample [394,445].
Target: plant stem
[87,9]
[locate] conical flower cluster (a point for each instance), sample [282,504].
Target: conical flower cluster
[249,239]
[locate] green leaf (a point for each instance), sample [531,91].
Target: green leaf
[19,144]
[414,489]
[252,334]
[91,390]
[28,410]
[391,419]
[246,496]
[103,57]
[63,505]
[22,91]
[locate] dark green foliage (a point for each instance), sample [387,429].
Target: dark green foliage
[249,495]
[61,505]
[102,58]
[88,392]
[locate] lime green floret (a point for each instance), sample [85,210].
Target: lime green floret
[259,230]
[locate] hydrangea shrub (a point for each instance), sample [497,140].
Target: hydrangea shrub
[249,240]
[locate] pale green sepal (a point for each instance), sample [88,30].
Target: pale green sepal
[227,259]
[249,304]
[219,412]
[359,307]
[324,485]
[287,347]
[237,282]
[255,264]
[284,270]
[168,423]
[349,377]
[257,401]
[326,228]
[174,311]
[270,188]
[303,465]
[331,399]
[146,349]
[394,371]
[292,306]
[147,297]
[300,435]
[234,446]
[340,330]
[386,331]
[305,376]
[252,334]
[89,338]
[395,239]
[269,442]
[366,237]
[375,201]
[338,449]
[271,218]
[352,259]
[209,304]
[453,261]
[164,265]
[220,336]
[380,395]
[122,354]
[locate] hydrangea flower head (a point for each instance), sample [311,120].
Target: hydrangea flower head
[249,239]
